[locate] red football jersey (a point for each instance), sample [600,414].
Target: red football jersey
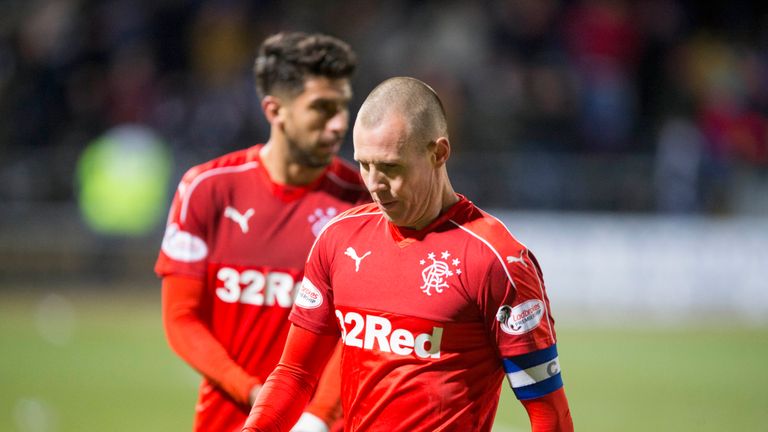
[425,316]
[248,238]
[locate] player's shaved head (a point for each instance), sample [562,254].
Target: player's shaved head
[415,101]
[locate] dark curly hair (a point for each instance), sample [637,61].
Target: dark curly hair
[285,60]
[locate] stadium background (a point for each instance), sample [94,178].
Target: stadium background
[626,142]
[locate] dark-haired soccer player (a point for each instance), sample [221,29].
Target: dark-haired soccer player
[434,299]
[240,227]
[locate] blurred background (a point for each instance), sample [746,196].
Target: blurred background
[625,142]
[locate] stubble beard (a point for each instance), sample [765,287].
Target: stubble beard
[306,158]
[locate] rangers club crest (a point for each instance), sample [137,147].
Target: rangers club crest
[435,275]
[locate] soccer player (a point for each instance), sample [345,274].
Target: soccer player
[434,299]
[240,227]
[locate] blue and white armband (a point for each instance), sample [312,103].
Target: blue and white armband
[534,374]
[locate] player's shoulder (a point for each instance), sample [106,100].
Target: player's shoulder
[490,231]
[346,223]
[238,160]
[354,216]
[367,211]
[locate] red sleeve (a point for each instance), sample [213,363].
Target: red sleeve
[326,403]
[287,390]
[515,303]
[191,339]
[549,413]
[184,249]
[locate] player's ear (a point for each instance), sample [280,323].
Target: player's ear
[442,151]
[271,106]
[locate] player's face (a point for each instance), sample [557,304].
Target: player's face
[400,175]
[316,121]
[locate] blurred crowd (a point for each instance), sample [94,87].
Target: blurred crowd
[658,105]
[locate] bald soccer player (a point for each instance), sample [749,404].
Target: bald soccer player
[434,299]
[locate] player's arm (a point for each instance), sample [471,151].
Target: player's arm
[536,381]
[191,339]
[290,386]
[325,407]
[518,314]
[549,412]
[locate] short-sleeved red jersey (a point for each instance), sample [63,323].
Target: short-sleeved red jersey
[425,316]
[247,238]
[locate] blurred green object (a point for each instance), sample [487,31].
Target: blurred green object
[122,180]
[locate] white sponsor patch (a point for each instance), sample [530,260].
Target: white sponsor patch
[309,297]
[522,318]
[183,246]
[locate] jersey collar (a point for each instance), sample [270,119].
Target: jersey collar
[405,236]
[284,192]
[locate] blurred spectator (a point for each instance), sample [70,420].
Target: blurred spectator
[614,90]
[604,46]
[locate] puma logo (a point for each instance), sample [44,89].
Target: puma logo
[350,252]
[240,218]
[514,259]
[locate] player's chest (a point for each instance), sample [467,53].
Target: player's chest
[248,224]
[436,279]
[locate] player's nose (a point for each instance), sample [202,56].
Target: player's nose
[375,181]
[339,123]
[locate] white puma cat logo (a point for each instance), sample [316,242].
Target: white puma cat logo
[513,259]
[241,219]
[350,252]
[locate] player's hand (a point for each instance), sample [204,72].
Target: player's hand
[309,423]
[254,393]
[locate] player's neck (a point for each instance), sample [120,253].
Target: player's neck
[444,199]
[283,170]
[448,198]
